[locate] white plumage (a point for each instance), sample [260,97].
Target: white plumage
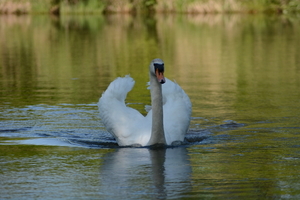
[130,127]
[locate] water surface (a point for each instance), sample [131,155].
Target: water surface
[242,74]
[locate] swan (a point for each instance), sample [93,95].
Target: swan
[168,118]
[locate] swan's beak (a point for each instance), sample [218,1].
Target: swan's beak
[160,76]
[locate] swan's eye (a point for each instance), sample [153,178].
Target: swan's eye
[159,67]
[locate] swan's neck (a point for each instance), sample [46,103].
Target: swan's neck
[157,133]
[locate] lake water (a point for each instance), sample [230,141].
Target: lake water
[241,72]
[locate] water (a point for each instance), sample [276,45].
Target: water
[241,73]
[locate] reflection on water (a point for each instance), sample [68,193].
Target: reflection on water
[136,173]
[64,172]
[241,73]
[39,172]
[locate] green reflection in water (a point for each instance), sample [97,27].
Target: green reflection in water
[233,67]
[49,172]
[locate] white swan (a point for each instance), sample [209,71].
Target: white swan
[166,122]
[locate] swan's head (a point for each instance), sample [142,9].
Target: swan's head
[157,69]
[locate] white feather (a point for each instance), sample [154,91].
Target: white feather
[130,127]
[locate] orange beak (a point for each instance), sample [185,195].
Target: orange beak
[160,76]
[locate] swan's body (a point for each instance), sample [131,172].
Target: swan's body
[166,122]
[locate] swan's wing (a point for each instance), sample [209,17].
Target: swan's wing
[126,124]
[177,111]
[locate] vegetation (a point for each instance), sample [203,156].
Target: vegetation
[146,6]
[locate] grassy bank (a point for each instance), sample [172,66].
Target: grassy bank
[228,6]
[145,6]
[52,6]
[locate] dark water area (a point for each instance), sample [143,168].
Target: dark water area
[241,72]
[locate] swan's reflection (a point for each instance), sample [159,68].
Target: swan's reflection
[140,173]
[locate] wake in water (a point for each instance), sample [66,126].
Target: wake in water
[73,125]
[103,138]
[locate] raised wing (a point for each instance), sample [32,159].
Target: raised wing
[126,124]
[177,111]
